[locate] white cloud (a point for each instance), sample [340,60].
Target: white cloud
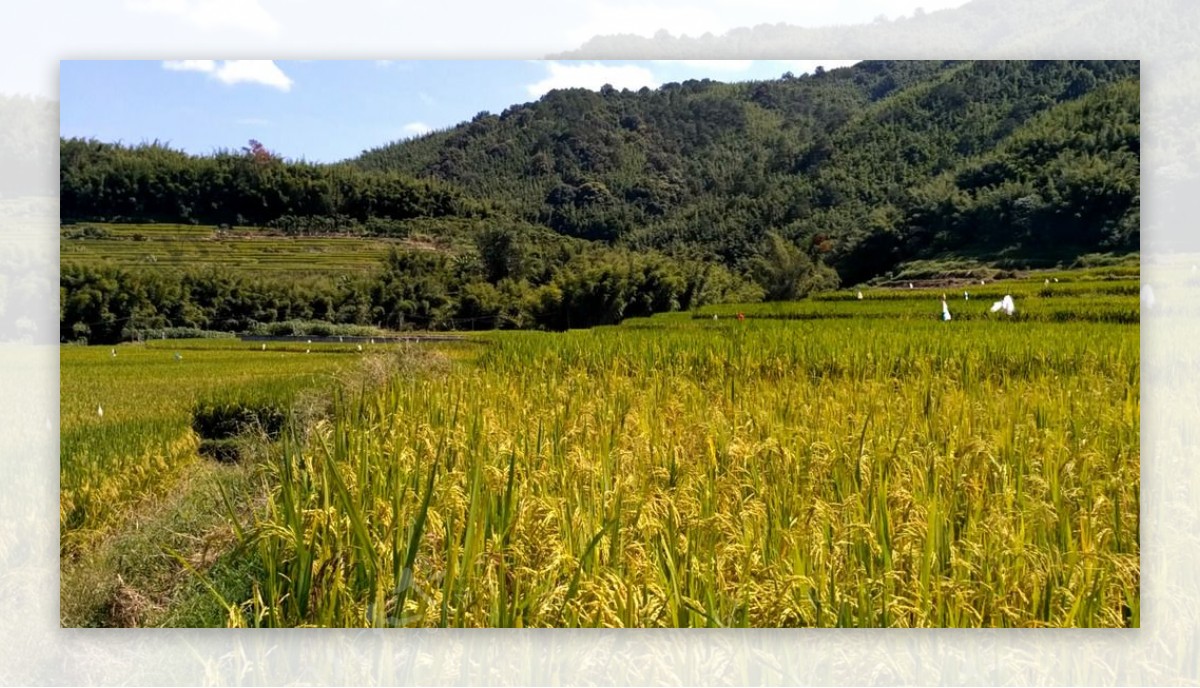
[190,65]
[252,121]
[263,72]
[425,98]
[244,15]
[591,75]
[417,128]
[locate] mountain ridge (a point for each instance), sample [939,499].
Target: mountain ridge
[862,168]
[803,147]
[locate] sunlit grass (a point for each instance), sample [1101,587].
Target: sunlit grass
[833,462]
[1090,300]
[126,418]
[758,473]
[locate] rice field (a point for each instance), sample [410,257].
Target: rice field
[1082,296]
[169,246]
[762,473]
[865,464]
[126,415]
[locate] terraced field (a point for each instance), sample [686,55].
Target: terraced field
[164,246]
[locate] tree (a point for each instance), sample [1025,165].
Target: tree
[501,254]
[786,273]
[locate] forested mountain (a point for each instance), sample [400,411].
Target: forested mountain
[863,167]
[585,207]
[846,162]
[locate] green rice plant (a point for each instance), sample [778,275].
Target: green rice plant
[679,472]
[127,415]
[1111,302]
[832,462]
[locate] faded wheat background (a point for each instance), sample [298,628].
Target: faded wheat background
[1162,33]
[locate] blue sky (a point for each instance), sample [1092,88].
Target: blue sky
[331,110]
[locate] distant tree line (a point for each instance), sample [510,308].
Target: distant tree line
[152,182]
[507,283]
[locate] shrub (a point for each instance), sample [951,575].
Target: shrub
[223,420]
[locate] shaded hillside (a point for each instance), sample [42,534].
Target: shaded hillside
[844,163]
[602,165]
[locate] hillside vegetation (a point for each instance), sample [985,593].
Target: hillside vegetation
[852,163]
[587,207]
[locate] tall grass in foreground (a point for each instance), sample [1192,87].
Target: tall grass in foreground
[143,438]
[766,473]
